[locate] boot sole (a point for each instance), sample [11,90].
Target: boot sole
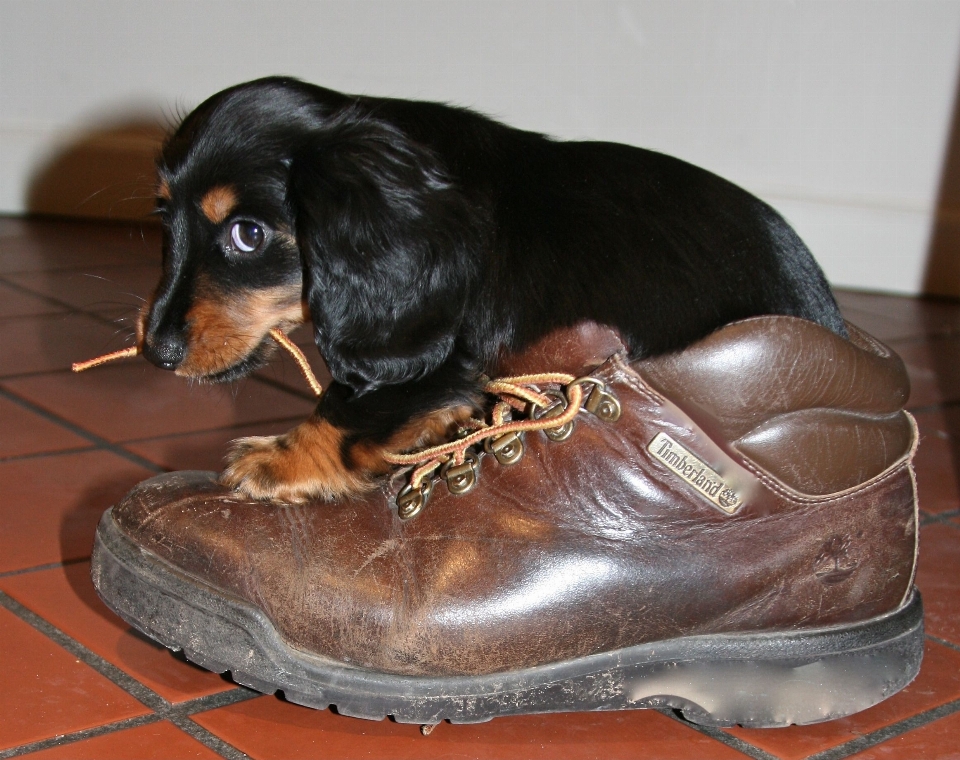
[750,679]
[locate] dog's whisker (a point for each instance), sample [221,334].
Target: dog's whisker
[108,188]
[93,276]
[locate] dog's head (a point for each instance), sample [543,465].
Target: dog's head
[279,201]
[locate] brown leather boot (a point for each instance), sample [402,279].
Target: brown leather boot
[730,530]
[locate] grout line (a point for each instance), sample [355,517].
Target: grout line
[76,736]
[178,716]
[942,518]
[132,686]
[207,738]
[41,454]
[118,447]
[62,305]
[69,309]
[227,698]
[254,377]
[720,735]
[48,566]
[944,642]
[102,443]
[177,713]
[890,731]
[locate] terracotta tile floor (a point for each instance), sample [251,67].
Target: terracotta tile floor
[78,683]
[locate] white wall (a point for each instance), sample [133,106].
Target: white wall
[835,111]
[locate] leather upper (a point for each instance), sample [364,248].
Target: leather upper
[604,540]
[821,413]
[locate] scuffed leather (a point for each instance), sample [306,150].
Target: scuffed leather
[583,546]
[754,369]
[823,451]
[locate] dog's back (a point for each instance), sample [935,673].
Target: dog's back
[663,250]
[428,241]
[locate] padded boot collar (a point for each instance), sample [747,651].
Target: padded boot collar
[755,369]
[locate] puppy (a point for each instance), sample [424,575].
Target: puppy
[424,242]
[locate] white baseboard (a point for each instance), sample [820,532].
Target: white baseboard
[864,247]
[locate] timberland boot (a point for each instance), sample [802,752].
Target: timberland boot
[730,531]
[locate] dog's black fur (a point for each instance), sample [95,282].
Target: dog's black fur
[428,240]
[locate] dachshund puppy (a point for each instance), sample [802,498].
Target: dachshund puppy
[425,241]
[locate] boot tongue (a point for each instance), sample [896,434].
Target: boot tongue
[576,350]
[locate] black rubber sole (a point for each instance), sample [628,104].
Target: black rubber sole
[760,680]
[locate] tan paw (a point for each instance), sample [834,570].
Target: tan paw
[301,465]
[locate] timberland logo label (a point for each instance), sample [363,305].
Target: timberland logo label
[705,481]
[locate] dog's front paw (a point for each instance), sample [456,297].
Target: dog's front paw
[296,467]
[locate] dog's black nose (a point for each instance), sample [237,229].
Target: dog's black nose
[166,351]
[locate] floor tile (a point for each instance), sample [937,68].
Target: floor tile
[65,597]
[113,291]
[933,365]
[27,433]
[201,451]
[939,740]
[46,691]
[891,317]
[135,400]
[51,505]
[268,728]
[937,462]
[938,578]
[53,342]
[937,683]
[156,741]
[14,302]
[58,244]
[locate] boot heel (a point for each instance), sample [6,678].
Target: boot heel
[857,668]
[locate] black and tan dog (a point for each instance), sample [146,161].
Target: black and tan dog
[424,241]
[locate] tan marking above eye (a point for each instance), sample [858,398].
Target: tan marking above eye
[218,202]
[163,190]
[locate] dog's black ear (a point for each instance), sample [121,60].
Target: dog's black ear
[390,249]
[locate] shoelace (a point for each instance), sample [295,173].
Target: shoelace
[552,411]
[276,333]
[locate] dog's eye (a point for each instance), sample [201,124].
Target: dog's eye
[246,236]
